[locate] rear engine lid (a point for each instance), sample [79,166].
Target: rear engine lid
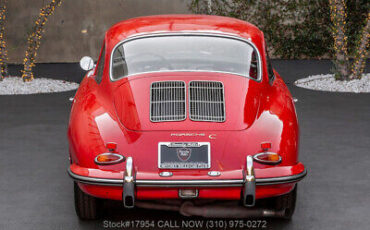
[187,101]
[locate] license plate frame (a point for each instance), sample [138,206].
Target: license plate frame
[182,150]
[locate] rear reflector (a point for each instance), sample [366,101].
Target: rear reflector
[111,146]
[109,158]
[266,145]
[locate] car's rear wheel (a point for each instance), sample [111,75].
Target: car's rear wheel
[87,207]
[287,203]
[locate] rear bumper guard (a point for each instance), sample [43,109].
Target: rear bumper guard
[128,194]
[249,191]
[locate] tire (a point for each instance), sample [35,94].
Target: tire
[87,207]
[287,203]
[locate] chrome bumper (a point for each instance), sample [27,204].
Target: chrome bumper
[188,183]
[129,183]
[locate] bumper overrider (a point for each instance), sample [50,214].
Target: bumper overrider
[129,182]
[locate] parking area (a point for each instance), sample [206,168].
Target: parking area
[36,192]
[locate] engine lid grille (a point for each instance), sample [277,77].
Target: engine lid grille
[167,101]
[206,101]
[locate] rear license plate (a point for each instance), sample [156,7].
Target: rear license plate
[184,155]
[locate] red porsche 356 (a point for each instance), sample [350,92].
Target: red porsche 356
[184,112]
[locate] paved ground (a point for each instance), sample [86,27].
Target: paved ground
[36,192]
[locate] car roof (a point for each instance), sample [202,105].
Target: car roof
[182,23]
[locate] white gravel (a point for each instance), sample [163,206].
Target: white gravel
[327,82]
[15,85]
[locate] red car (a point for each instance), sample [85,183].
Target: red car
[184,112]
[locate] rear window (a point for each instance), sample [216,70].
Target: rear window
[185,53]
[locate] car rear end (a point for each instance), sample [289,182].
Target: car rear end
[200,130]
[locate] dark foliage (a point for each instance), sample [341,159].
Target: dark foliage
[293,29]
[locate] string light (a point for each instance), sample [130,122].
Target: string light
[338,17]
[3,50]
[33,41]
[358,65]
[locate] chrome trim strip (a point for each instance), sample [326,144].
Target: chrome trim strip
[182,31]
[187,183]
[281,180]
[95,180]
[187,33]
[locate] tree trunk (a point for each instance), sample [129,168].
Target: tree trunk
[338,18]
[34,39]
[3,51]
[362,50]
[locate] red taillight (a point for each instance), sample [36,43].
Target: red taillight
[267,158]
[109,158]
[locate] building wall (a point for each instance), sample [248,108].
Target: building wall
[77,27]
